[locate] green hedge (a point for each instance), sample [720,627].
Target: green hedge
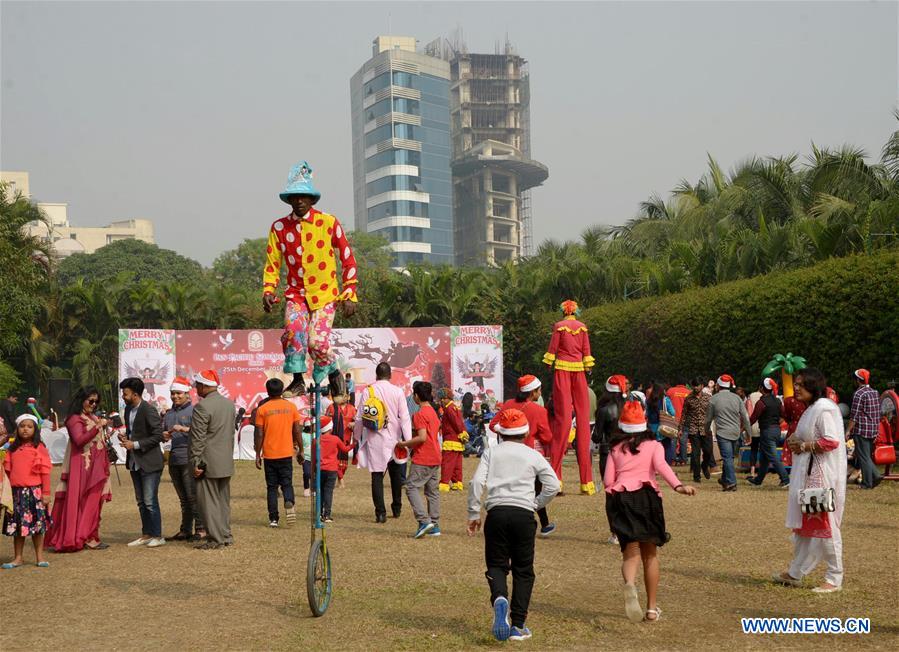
[840,315]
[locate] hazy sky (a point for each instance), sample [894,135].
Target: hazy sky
[191,114]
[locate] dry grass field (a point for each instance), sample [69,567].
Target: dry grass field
[392,592]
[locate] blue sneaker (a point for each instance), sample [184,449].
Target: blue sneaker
[549,529]
[435,531]
[502,627]
[423,529]
[520,634]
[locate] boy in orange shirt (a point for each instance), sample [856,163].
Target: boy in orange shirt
[279,432]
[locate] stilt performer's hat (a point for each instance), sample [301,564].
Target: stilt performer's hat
[863,375]
[617,383]
[512,423]
[528,383]
[570,307]
[299,182]
[770,384]
[632,418]
[180,384]
[725,381]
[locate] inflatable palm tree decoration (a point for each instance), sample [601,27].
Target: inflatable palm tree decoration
[788,365]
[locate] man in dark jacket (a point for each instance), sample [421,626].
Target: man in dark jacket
[8,412]
[767,414]
[176,429]
[141,439]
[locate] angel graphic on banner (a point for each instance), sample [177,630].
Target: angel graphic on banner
[477,371]
[157,374]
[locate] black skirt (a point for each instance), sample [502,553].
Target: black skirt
[637,516]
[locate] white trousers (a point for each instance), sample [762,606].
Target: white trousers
[808,552]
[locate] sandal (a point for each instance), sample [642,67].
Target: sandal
[43,564]
[100,546]
[10,566]
[657,613]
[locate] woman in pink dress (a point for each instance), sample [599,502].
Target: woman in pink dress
[84,483]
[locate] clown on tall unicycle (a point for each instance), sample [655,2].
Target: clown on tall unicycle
[309,244]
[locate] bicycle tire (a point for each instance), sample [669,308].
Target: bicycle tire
[318,578]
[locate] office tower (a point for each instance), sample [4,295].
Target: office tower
[401,151]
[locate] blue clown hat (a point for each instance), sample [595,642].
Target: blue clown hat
[299,182]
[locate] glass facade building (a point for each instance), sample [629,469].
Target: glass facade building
[402,152]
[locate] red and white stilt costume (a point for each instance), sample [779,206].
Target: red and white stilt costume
[569,356]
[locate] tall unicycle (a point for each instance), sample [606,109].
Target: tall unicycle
[318,566]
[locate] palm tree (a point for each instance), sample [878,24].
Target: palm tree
[788,365]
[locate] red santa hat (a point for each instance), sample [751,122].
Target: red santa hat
[863,375]
[617,383]
[326,425]
[770,384]
[180,384]
[726,381]
[528,383]
[633,418]
[512,422]
[208,378]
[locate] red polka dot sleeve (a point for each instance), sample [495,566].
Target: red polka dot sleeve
[271,272]
[347,260]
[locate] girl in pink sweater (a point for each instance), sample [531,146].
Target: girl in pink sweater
[634,505]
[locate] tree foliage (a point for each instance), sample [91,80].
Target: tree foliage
[143,261]
[24,271]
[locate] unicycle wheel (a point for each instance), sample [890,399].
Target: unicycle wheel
[318,578]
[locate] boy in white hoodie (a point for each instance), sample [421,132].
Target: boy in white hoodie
[507,472]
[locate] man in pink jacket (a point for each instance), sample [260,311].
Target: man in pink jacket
[376,448]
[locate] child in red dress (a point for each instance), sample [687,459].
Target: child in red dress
[28,466]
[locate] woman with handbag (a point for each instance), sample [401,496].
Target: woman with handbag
[817,486]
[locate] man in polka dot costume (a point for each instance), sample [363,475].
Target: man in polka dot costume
[309,244]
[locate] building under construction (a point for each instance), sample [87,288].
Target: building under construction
[492,168]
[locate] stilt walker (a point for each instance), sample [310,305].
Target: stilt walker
[309,244]
[569,356]
[452,428]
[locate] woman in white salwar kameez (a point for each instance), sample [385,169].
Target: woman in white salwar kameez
[819,460]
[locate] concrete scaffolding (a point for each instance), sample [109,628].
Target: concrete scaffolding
[492,168]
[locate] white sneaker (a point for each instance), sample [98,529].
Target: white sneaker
[139,542]
[155,543]
[613,540]
[273,523]
[290,514]
[307,492]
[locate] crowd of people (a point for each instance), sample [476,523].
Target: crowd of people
[639,433]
